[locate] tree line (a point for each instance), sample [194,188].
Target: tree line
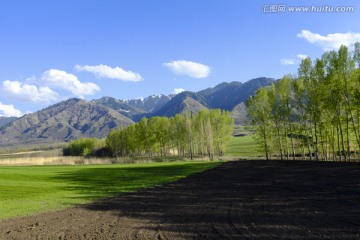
[188,135]
[315,114]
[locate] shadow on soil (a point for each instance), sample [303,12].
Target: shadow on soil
[247,200]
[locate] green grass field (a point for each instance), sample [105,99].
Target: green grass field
[27,190]
[34,189]
[243,146]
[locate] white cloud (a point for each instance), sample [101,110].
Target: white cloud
[293,60]
[191,69]
[301,56]
[28,93]
[109,72]
[69,82]
[178,90]
[288,61]
[332,41]
[9,111]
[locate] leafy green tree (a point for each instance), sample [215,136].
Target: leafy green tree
[300,115]
[178,133]
[159,128]
[259,111]
[144,137]
[320,107]
[222,128]
[189,134]
[114,141]
[305,72]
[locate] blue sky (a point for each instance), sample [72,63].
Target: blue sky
[53,50]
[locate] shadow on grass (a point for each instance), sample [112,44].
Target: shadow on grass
[103,181]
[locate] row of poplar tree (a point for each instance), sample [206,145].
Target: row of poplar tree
[189,135]
[200,134]
[315,114]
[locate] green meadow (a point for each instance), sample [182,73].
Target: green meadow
[27,190]
[245,146]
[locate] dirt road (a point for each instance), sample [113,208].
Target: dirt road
[242,200]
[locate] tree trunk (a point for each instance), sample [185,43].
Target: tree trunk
[309,144]
[292,139]
[342,138]
[316,139]
[279,139]
[348,138]
[266,146]
[338,143]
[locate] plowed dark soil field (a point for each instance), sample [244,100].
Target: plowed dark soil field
[237,200]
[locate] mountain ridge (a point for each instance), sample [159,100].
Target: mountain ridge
[64,121]
[75,118]
[181,103]
[152,103]
[227,95]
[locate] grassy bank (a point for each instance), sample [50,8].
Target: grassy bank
[33,189]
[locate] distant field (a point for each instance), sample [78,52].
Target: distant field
[23,154]
[28,190]
[245,146]
[239,129]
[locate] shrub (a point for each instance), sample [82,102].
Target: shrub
[80,147]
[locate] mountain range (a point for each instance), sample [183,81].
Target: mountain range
[76,118]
